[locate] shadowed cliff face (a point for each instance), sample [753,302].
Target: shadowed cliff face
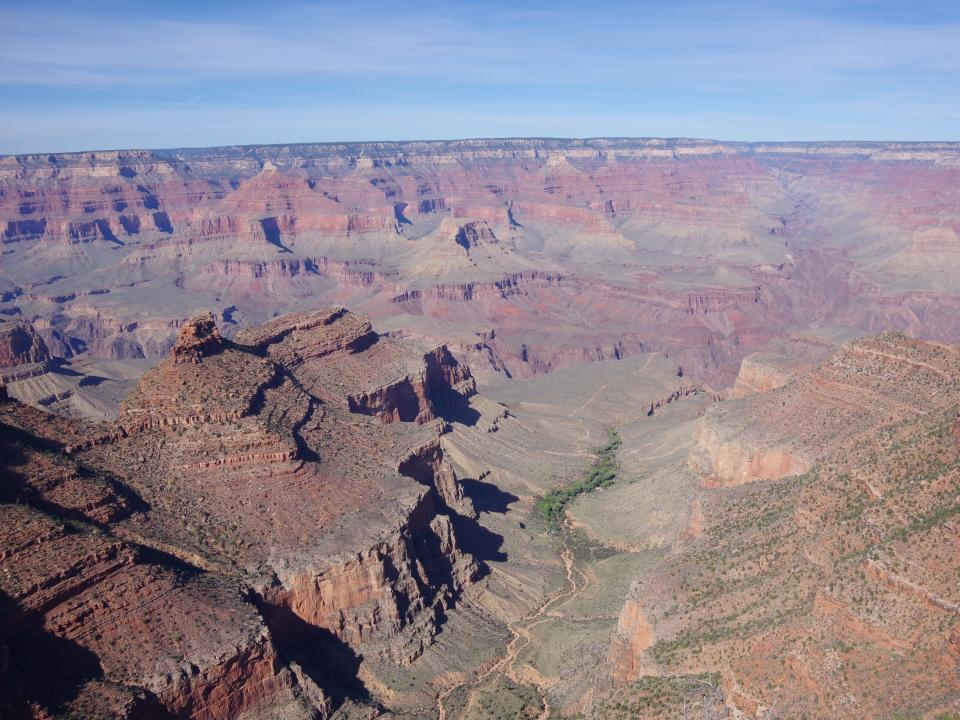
[522,256]
[40,671]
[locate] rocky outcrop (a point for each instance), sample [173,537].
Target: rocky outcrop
[685,390]
[242,682]
[341,331]
[427,465]
[509,285]
[285,269]
[198,339]
[385,600]
[762,372]
[20,345]
[18,230]
[447,380]
[402,401]
[633,636]
[439,389]
[173,645]
[361,274]
[733,461]
[472,234]
[244,536]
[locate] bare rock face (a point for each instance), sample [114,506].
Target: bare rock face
[102,626]
[473,234]
[731,459]
[439,387]
[245,535]
[22,351]
[763,372]
[633,637]
[198,339]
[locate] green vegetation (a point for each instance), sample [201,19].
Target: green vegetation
[500,700]
[666,697]
[602,473]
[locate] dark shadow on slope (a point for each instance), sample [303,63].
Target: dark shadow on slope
[59,366]
[130,224]
[271,232]
[148,555]
[14,487]
[472,537]
[454,407]
[511,219]
[150,201]
[398,215]
[162,222]
[91,381]
[480,542]
[13,440]
[443,371]
[259,401]
[326,659]
[483,544]
[364,342]
[107,233]
[36,666]
[486,496]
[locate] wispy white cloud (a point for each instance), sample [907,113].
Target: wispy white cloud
[612,43]
[386,69]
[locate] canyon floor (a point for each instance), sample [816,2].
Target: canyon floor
[481,429]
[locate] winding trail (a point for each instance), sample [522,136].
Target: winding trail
[615,381]
[576,582]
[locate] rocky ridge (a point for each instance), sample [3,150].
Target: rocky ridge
[214,512]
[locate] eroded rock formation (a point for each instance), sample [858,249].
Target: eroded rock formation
[22,351]
[198,339]
[236,539]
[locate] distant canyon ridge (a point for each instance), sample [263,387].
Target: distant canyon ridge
[523,255]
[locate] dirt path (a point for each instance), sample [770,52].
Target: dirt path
[616,380]
[576,582]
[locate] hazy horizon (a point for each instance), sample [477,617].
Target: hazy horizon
[546,138]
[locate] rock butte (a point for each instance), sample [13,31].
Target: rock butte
[251,502]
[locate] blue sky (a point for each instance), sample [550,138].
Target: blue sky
[109,74]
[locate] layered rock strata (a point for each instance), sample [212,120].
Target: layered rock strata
[237,514]
[574,250]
